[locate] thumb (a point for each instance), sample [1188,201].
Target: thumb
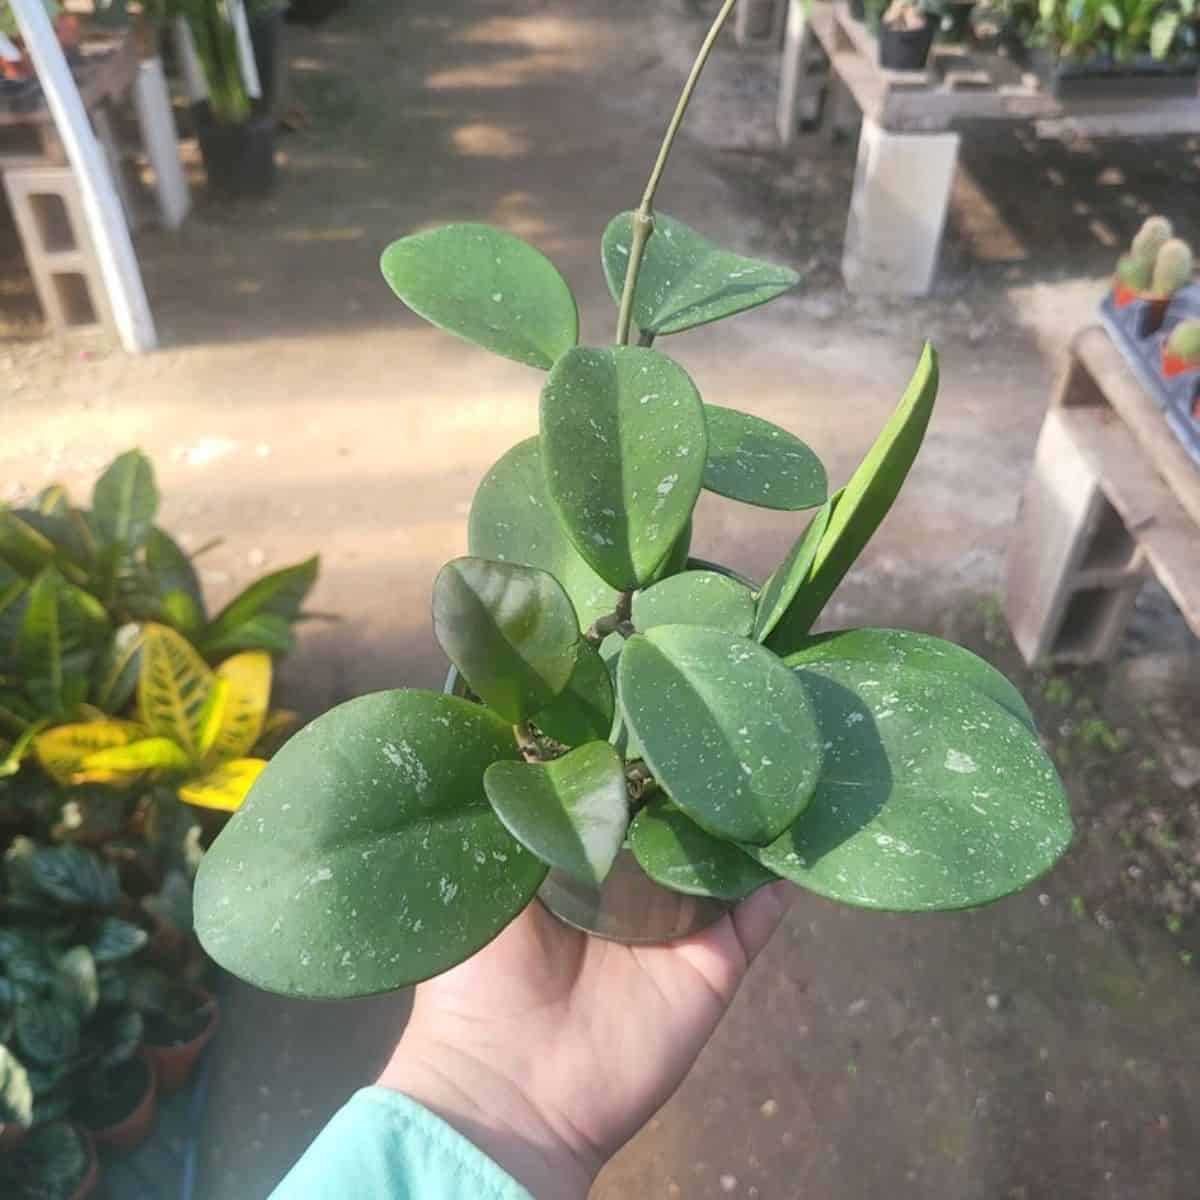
[758,916]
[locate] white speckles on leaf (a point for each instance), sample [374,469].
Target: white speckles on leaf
[962,764]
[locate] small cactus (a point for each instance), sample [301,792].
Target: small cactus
[1184,341]
[1172,268]
[1134,273]
[1154,233]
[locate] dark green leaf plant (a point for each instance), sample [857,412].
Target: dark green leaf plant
[616,697]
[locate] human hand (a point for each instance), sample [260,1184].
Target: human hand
[549,1049]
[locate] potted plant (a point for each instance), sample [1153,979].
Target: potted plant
[634,735]
[1096,49]
[118,1102]
[65,958]
[1181,349]
[236,143]
[180,1018]
[116,553]
[905,35]
[56,1162]
[1155,268]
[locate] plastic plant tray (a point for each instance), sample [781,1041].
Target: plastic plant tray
[1131,327]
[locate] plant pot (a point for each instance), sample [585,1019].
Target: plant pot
[11,1136]
[133,1128]
[87,1185]
[1146,312]
[239,157]
[312,12]
[628,906]
[1173,365]
[954,25]
[175,1064]
[1103,78]
[269,39]
[906,49]
[858,9]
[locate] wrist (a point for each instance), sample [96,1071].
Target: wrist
[494,1114]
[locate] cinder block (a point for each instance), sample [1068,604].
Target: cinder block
[1074,570]
[48,210]
[897,210]
[758,24]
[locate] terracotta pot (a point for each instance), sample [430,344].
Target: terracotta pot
[1156,306]
[175,1064]
[87,1185]
[1173,365]
[11,1136]
[69,30]
[133,1129]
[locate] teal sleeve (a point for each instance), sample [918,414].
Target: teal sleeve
[383,1146]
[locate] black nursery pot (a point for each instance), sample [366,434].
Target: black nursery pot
[239,157]
[906,49]
[313,12]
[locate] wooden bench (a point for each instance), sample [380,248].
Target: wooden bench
[1112,495]
[911,127]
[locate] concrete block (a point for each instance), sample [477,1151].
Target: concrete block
[48,209]
[1074,570]
[758,24]
[897,210]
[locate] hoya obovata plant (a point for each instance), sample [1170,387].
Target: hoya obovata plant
[621,698]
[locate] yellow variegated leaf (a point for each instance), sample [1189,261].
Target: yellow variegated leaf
[213,717]
[150,754]
[224,787]
[247,680]
[173,689]
[61,751]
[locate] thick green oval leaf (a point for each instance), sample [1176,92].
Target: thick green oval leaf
[623,445]
[367,856]
[75,983]
[584,711]
[16,1096]
[753,461]
[786,580]
[125,500]
[571,812]
[512,520]
[620,735]
[509,629]
[862,504]
[685,280]
[674,851]
[933,796]
[488,287]
[913,652]
[696,598]
[724,726]
[23,547]
[46,1032]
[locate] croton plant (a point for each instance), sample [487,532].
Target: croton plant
[616,696]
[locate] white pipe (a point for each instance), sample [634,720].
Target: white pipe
[101,204]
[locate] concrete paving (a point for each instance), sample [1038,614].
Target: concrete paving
[1014,1053]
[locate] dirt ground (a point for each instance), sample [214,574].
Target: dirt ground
[1037,1048]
